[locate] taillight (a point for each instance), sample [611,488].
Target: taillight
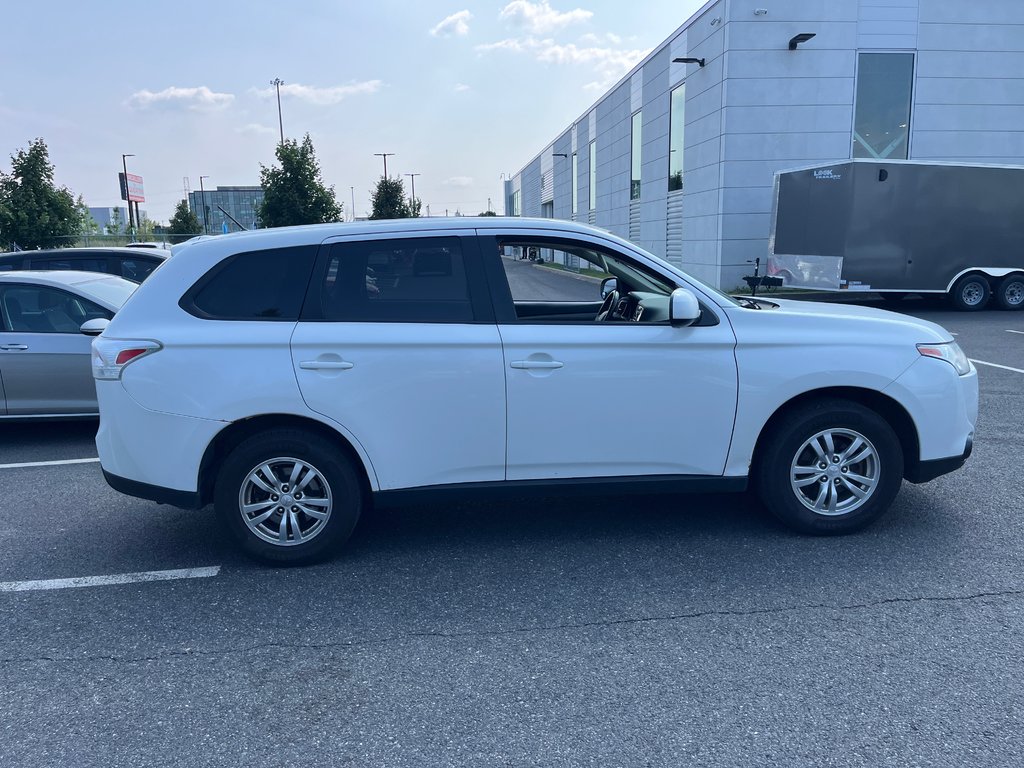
[110,356]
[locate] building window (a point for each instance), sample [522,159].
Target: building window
[881,124]
[575,182]
[515,203]
[593,175]
[635,151]
[677,125]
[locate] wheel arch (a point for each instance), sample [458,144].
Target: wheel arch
[888,408]
[236,432]
[989,273]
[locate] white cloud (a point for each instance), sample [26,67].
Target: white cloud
[196,99]
[461,88]
[453,25]
[255,129]
[540,18]
[609,64]
[322,96]
[458,181]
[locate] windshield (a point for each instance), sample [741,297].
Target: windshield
[112,291]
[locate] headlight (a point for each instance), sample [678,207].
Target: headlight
[950,352]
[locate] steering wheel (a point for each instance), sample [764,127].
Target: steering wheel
[607,310]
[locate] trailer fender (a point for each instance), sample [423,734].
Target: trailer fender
[996,272]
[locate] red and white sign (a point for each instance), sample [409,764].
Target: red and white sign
[133,192]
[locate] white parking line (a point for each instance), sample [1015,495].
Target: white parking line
[104,581]
[47,463]
[1008,330]
[997,365]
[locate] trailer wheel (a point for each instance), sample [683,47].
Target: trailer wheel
[1010,293]
[970,293]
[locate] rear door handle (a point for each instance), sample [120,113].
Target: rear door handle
[543,364]
[326,365]
[10,347]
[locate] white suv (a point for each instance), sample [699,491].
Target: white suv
[291,375]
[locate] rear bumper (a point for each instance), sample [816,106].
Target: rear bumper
[159,494]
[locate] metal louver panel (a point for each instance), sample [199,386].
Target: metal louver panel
[674,227]
[547,187]
[634,221]
[592,217]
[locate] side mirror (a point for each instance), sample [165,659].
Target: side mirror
[683,308]
[94,327]
[608,285]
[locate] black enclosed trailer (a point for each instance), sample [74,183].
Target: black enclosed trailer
[902,227]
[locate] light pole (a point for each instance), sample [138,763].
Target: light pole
[127,201]
[385,155]
[353,191]
[412,178]
[277,82]
[202,192]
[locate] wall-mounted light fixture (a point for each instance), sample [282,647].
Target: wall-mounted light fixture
[803,37]
[716,20]
[688,61]
[559,154]
[760,11]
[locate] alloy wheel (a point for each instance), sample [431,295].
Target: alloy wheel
[285,501]
[835,472]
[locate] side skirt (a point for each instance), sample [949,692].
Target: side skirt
[589,486]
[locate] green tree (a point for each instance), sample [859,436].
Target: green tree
[389,200]
[86,223]
[115,226]
[34,212]
[293,192]
[487,213]
[184,223]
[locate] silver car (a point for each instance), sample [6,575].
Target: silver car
[47,321]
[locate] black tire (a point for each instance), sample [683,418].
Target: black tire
[1010,292]
[335,482]
[970,293]
[783,447]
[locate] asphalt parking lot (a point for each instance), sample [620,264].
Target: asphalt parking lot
[615,631]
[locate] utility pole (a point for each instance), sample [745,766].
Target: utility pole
[277,82]
[385,155]
[127,201]
[202,193]
[412,197]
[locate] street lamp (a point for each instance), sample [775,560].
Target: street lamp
[202,192]
[277,82]
[127,201]
[385,155]
[352,189]
[412,177]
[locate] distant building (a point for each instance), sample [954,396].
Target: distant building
[103,217]
[767,87]
[242,203]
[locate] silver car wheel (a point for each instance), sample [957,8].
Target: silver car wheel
[285,501]
[1014,293]
[835,472]
[972,293]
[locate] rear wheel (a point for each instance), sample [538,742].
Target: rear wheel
[1010,292]
[288,496]
[830,467]
[970,293]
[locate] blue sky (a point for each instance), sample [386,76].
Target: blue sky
[461,92]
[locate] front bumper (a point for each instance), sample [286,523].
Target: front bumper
[923,471]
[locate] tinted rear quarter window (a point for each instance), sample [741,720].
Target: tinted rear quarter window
[256,285]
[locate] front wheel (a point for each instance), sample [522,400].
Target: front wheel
[970,293]
[288,496]
[1010,293]
[830,467]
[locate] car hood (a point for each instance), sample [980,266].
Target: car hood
[892,322]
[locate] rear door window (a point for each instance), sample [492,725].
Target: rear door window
[416,280]
[42,309]
[137,270]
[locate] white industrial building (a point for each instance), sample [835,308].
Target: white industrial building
[680,157]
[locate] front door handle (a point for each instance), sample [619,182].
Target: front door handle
[542,364]
[10,347]
[326,365]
